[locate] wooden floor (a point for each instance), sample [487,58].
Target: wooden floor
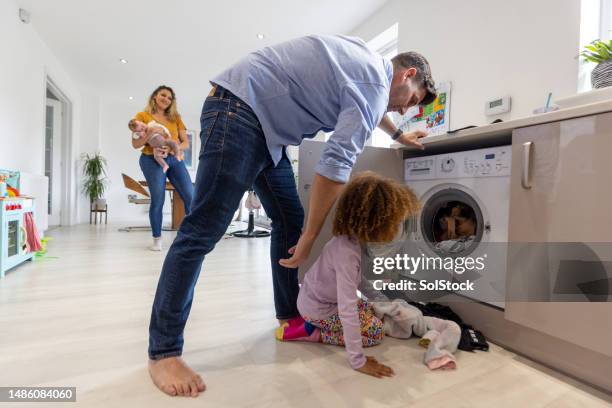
[80,318]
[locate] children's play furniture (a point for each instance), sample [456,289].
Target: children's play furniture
[13,236]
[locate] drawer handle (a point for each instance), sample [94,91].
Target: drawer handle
[526,165]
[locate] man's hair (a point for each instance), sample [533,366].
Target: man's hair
[423,78]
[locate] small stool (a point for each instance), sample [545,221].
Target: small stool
[95,211]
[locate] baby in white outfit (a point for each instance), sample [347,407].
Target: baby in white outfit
[160,137]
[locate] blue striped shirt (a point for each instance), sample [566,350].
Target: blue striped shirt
[314,83]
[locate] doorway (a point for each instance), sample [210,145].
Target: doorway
[57,153]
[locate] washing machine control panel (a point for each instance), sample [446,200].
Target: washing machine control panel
[489,162]
[420,168]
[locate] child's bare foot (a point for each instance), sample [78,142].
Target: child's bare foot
[174,377]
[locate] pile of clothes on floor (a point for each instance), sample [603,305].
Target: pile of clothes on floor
[441,330]
[471,339]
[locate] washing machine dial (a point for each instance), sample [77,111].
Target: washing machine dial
[448,165]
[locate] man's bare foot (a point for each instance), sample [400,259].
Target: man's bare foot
[174,377]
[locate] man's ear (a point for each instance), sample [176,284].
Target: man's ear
[410,72]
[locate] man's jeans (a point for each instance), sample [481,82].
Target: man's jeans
[156,181]
[233,158]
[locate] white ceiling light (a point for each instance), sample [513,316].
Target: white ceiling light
[131,98]
[260,36]
[123,61]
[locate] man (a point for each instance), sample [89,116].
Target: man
[273,98]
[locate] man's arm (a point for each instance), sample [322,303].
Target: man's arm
[386,124]
[407,138]
[357,118]
[323,195]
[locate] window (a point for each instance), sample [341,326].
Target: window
[595,23]
[386,45]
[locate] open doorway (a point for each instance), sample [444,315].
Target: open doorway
[57,152]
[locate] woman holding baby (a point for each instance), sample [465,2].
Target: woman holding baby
[160,132]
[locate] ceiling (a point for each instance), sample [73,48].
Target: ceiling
[182,43]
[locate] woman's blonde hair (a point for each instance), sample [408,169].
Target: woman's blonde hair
[372,208]
[170,112]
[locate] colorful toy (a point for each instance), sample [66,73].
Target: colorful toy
[12,192]
[3,192]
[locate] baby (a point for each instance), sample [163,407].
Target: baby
[159,137]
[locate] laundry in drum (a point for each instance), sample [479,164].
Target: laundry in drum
[454,227]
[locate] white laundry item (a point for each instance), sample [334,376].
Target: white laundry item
[441,337]
[455,245]
[252,201]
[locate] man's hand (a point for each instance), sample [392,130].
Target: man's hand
[300,252]
[412,138]
[375,369]
[323,194]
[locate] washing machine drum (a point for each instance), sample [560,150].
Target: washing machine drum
[452,222]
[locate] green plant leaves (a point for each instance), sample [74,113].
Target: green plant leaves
[94,171]
[597,51]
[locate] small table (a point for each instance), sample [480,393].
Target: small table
[178,206]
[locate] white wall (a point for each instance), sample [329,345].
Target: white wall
[88,142]
[490,48]
[25,61]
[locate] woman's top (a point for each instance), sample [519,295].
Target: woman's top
[174,127]
[330,286]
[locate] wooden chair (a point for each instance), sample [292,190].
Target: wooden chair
[135,186]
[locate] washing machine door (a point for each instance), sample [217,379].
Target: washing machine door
[453,221]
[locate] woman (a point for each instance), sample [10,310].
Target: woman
[161,108]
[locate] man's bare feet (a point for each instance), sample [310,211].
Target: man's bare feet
[174,377]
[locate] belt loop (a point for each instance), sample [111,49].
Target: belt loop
[222,93]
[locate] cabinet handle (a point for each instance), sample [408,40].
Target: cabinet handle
[526,165]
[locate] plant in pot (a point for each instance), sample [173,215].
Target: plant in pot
[95,181]
[599,52]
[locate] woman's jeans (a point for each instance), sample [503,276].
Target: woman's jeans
[233,158]
[156,180]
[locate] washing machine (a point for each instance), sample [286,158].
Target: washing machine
[465,208]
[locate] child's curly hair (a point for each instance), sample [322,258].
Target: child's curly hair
[372,207]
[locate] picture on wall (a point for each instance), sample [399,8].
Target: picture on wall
[190,154]
[433,118]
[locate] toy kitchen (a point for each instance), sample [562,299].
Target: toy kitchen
[18,237]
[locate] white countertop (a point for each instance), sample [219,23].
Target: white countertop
[504,129]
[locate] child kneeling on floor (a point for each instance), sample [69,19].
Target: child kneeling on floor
[371,209]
